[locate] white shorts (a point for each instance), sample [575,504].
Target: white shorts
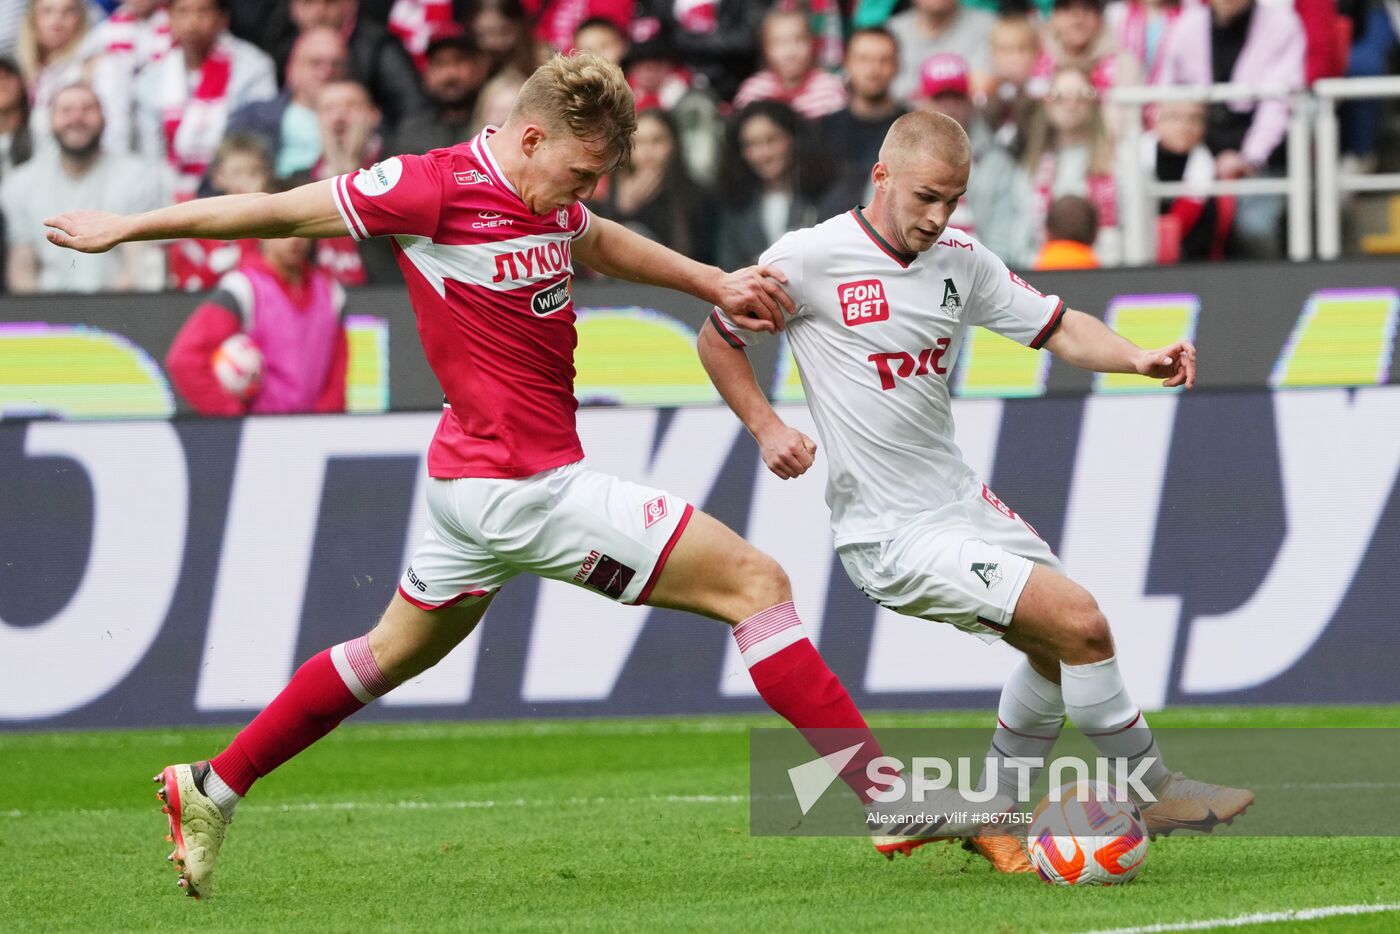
[570,524]
[964,564]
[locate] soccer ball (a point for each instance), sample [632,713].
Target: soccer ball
[238,366]
[1088,837]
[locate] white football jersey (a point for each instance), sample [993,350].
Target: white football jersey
[875,336]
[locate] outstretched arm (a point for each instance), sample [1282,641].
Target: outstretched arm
[753,297]
[1087,342]
[308,211]
[786,451]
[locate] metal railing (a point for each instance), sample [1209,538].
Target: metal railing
[1332,183]
[1138,194]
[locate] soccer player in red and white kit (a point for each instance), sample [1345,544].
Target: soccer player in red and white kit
[884,297]
[486,233]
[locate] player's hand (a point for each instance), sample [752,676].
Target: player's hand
[787,452]
[754,298]
[85,231]
[1174,365]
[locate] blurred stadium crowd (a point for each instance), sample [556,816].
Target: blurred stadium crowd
[756,116]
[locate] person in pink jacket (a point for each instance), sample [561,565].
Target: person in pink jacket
[1249,43]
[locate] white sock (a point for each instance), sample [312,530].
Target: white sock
[1029,718]
[1097,702]
[218,791]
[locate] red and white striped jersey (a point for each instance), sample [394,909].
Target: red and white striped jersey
[490,283]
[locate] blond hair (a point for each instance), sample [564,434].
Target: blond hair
[585,95]
[27,44]
[926,133]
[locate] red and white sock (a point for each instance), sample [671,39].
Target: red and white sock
[1029,718]
[1097,702]
[794,680]
[330,687]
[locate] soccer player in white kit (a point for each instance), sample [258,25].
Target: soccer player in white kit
[885,295]
[485,233]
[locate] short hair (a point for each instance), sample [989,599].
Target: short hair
[773,16]
[242,143]
[586,95]
[876,31]
[223,6]
[926,133]
[1072,218]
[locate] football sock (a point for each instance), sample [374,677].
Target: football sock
[328,688]
[218,791]
[1098,704]
[1029,718]
[794,680]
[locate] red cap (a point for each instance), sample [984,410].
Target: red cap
[944,73]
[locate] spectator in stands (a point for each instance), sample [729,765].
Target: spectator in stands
[602,37]
[74,174]
[717,39]
[1078,37]
[287,124]
[1253,44]
[416,22]
[1175,151]
[496,99]
[997,206]
[1140,27]
[657,80]
[377,59]
[1068,152]
[185,100]
[855,133]
[453,80]
[116,52]
[501,29]
[16,136]
[50,38]
[242,166]
[771,181]
[653,193]
[557,22]
[1325,53]
[1373,53]
[934,26]
[1071,226]
[1012,89]
[292,312]
[790,73]
[350,141]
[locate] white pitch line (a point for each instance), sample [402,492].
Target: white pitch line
[1272,917]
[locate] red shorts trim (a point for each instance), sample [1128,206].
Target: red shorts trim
[665,553]
[441,606]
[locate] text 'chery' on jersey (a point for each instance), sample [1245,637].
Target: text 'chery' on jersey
[491,285]
[875,336]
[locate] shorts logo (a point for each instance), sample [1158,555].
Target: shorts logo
[471,177]
[996,503]
[380,177]
[987,572]
[549,300]
[653,512]
[604,574]
[952,302]
[418,583]
[862,302]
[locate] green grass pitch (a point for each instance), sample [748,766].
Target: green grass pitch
[627,825]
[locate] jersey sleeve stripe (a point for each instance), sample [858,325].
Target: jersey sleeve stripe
[584,222]
[729,336]
[1056,317]
[348,214]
